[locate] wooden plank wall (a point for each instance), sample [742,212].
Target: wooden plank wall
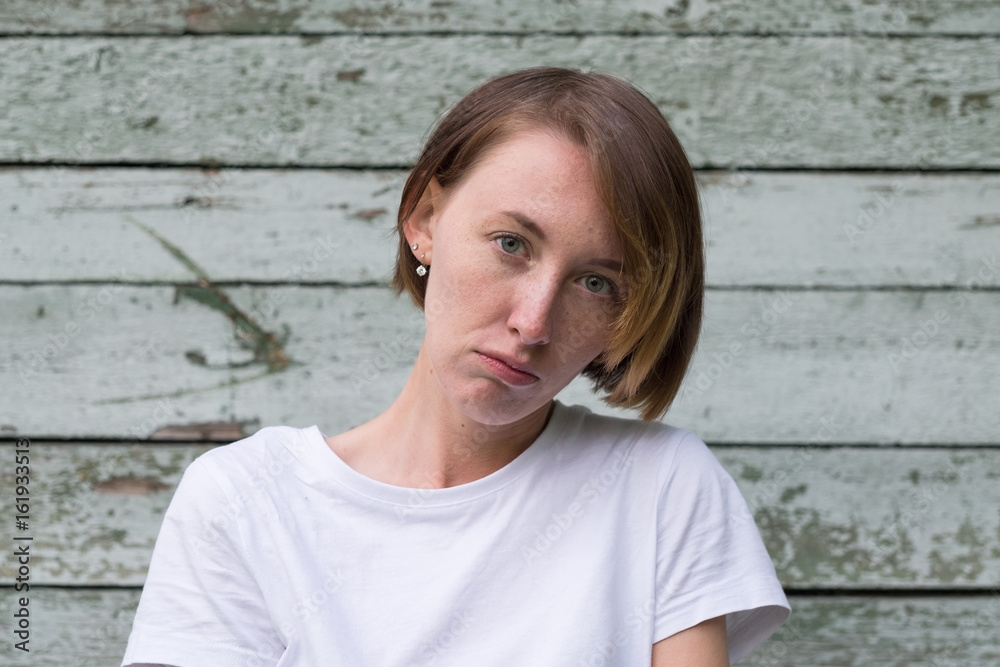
[193,199]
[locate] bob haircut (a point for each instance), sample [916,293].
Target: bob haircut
[644,180]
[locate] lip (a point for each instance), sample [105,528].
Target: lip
[508,370]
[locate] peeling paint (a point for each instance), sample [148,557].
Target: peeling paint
[370,213]
[982,221]
[364,18]
[242,18]
[793,492]
[204,431]
[938,105]
[806,548]
[350,75]
[972,102]
[967,566]
[131,486]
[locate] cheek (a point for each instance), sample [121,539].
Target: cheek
[462,290]
[583,335]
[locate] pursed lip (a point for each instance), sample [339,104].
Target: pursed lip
[523,367]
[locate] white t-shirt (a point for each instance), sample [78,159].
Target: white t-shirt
[603,537]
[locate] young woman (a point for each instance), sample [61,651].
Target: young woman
[550,228]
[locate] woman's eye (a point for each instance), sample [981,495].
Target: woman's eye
[597,284]
[510,244]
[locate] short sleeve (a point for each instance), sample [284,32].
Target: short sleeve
[201,605]
[711,560]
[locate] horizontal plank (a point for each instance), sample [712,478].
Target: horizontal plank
[70,628]
[963,17]
[861,631]
[90,628]
[320,226]
[788,102]
[304,226]
[843,517]
[125,361]
[832,518]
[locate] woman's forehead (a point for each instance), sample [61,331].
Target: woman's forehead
[542,184]
[538,168]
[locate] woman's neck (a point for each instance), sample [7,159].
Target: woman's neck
[424,441]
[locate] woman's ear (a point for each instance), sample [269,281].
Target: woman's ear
[420,226]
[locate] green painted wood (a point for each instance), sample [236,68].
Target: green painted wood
[90,628]
[71,628]
[743,102]
[844,517]
[301,226]
[832,517]
[861,631]
[318,226]
[631,16]
[124,361]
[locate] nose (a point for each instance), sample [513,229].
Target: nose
[532,311]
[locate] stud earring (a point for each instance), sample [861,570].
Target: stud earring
[414,246]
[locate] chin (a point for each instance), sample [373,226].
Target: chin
[498,405]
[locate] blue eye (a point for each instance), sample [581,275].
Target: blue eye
[510,244]
[596,284]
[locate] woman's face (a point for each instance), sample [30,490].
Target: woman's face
[524,279]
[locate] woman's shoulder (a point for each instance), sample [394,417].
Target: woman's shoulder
[659,444]
[619,430]
[271,449]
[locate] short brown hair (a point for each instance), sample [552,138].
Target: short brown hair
[647,185]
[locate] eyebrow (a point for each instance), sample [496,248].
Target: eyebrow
[533,227]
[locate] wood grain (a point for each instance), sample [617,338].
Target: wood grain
[90,628]
[823,102]
[832,518]
[108,361]
[331,226]
[848,310]
[961,17]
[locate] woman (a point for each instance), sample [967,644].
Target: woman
[550,228]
